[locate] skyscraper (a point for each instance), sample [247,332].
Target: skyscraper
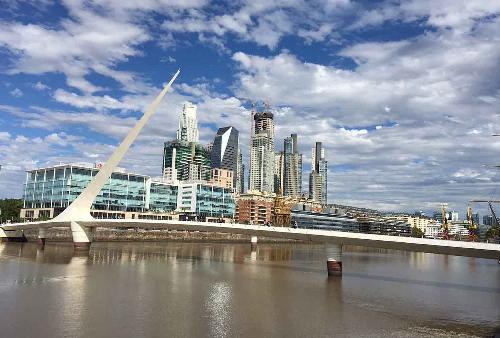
[226,154]
[262,153]
[279,172]
[188,125]
[184,159]
[318,179]
[240,174]
[292,167]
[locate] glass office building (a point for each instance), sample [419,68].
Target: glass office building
[213,201]
[206,200]
[58,186]
[48,191]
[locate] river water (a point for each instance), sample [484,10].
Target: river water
[173,289]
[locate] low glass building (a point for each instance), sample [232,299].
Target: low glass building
[48,191]
[204,200]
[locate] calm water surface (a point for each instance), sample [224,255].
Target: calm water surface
[226,290]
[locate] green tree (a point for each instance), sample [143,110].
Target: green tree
[11,209]
[416,232]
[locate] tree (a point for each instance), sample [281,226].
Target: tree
[11,209]
[417,232]
[493,234]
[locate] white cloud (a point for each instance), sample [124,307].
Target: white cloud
[16,92]
[4,136]
[94,38]
[40,86]
[264,23]
[458,15]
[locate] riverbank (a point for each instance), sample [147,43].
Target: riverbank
[112,235]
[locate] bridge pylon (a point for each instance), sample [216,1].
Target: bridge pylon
[79,210]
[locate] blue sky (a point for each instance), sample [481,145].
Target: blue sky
[404,94]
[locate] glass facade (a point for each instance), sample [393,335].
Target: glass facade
[56,187]
[162,197]
[213,201]
[225,151]
[188,156]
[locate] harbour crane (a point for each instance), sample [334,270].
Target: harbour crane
[472,226]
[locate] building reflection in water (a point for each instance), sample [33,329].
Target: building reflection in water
[196,253]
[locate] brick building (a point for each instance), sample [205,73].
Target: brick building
[254,207]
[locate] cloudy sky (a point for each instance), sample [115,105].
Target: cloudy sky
[404,94]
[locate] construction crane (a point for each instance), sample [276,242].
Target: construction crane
[472,226]
[495,224]
[444,222]
[282,216]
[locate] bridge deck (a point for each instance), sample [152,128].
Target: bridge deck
[457,248]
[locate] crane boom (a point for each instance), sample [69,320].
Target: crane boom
[493,213]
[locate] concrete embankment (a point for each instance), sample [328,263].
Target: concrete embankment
[105,235]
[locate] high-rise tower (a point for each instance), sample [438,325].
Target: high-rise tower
[184,159]
[226,154]
[318,179]
[292,167]
[262,153]
[188,125]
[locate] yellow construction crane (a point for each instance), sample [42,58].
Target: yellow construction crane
[472,226]
[282,215]
[444,222]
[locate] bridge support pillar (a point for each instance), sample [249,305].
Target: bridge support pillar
[253,242]
[12,236]
[82,236]
[334,261]
[42,237]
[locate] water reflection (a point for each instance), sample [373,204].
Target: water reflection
[60,253]
[113,253]
[221,290]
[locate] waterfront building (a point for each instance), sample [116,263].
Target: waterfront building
[430,227]
[292,168]
[188,124]
[202,201]
[226,154]
[385,225]
[262,154]
[255,207]
[48,191]
[433,230]
[324,221]
[318,179]
[458,228]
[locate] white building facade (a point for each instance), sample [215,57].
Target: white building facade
[188,124]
